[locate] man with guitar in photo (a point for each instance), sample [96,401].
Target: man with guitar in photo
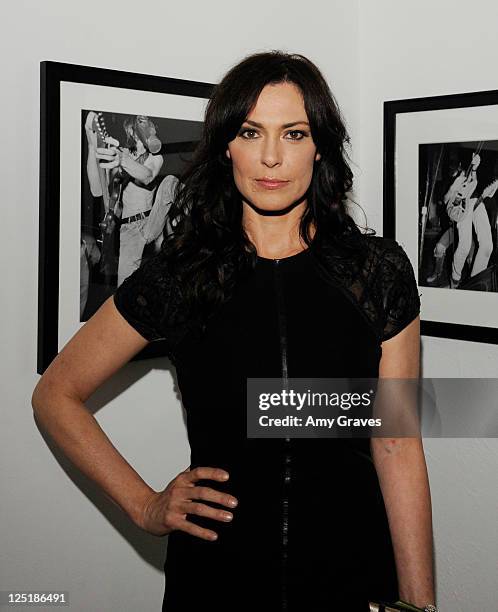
[466,211]
[126,179]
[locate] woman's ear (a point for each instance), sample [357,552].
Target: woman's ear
[317,156]
[227,152]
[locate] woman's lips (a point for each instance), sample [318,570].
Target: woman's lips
[271,184]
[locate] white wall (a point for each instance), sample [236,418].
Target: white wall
[425,48]
[57,532]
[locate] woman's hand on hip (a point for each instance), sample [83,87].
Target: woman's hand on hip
[166,511]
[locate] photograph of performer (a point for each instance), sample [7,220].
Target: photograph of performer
[462,215]
[130,166]
[141,167]
[460,195]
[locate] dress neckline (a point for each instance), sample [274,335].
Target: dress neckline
[290,257]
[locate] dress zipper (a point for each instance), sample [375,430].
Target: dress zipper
[287,453]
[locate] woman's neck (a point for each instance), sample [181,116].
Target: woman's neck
[275,236]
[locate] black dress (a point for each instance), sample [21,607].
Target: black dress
[310,532]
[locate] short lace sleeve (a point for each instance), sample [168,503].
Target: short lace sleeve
[400,295]
[143,298]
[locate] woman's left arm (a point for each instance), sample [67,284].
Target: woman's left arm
[402,472]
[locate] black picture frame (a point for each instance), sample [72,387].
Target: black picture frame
[475,104]
[52,75]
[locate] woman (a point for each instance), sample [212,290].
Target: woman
[265,275]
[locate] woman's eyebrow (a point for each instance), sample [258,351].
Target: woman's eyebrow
[285,125]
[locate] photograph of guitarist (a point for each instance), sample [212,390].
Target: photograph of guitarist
[468,211]
[136,167]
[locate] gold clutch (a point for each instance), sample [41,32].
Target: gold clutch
[382,606]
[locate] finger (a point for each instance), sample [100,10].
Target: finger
[110,150]
[112,141]
[196,530]
[210,473]
[89,119]
[209,494]
[106,163]
[181,477]
[193,507]
[109,165]
[106,152]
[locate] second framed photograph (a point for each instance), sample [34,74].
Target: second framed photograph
[98,224]
[441,205]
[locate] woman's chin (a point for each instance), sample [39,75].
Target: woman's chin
[274,205]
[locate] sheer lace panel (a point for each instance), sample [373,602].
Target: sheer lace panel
[382,287]
[401,300]
[150,302]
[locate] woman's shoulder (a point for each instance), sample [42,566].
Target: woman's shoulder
[381,282]
[381,248]
[392,284]
[153,278]
[150,299]
[387,261]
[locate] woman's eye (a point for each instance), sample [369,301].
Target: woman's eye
[249,133]
[244,131]
[299,133]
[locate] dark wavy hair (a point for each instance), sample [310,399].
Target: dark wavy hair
[209,251]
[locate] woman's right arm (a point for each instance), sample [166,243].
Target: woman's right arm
[99,349]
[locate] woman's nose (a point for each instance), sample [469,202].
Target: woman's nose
[271,152]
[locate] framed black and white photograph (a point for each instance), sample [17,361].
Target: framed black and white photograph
[98,223]
[441,204]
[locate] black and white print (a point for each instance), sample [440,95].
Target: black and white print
[125,202]
[103,213]
[458,237]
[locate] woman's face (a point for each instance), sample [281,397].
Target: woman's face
[274,143]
